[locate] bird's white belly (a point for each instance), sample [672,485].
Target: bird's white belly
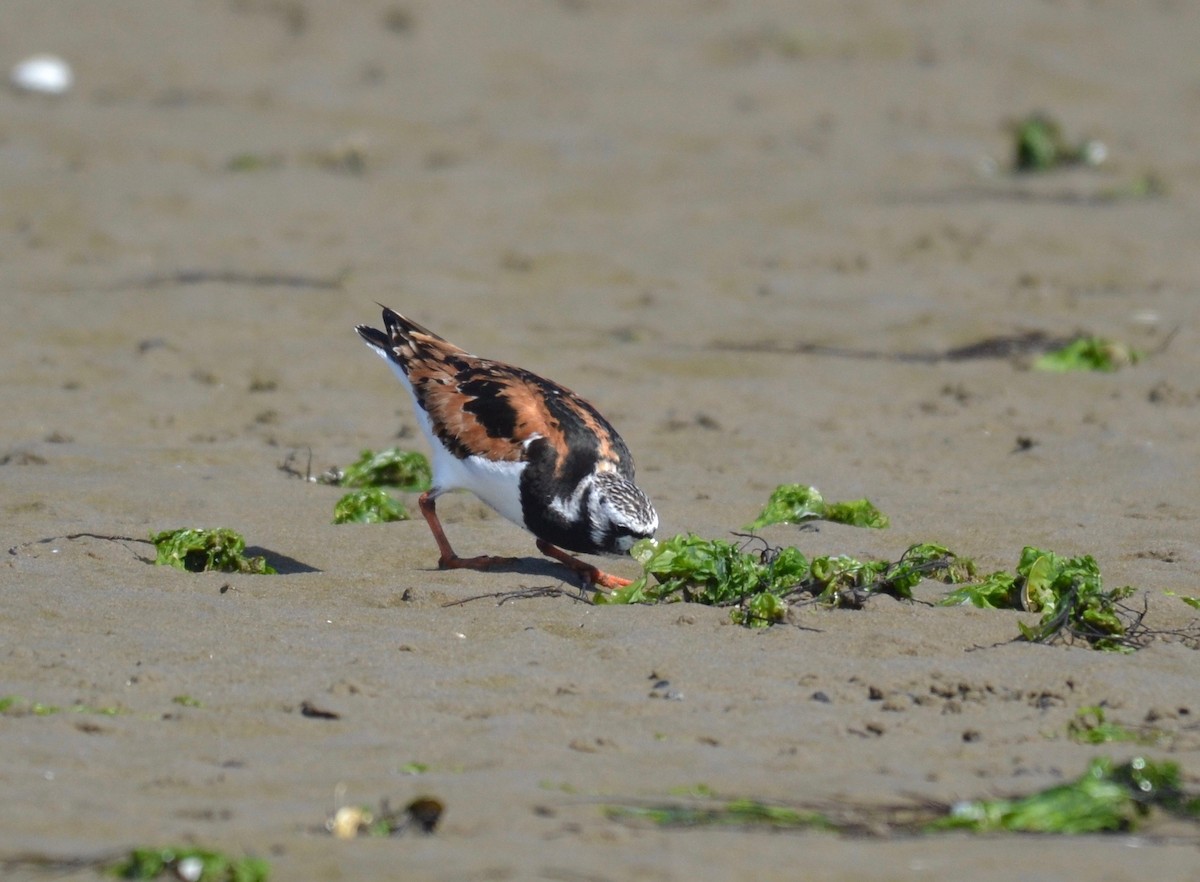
[497,483]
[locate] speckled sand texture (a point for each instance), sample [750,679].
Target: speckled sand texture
[618,195]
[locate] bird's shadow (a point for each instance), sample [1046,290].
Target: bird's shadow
[534,567]
[281,563]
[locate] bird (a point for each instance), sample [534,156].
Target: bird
[534,451]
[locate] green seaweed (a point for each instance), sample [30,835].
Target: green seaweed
[1193,602]
[1039,145]
[997,591]
[799,503]
[1070,595]
[197,864]
[712,571]
[1106,798]
[370,505]
[403,469]
[198,551]
[1067,591]
[856,513]
[844,581]
[1089,354]
[16,706]
[761,586]
[1091,726]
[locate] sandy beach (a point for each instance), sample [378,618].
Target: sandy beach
[750,233]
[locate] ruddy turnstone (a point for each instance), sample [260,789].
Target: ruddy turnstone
[533,450]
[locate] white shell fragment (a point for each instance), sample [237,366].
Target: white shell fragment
[348,821]
[190,869]
[43,74]
[1094,152]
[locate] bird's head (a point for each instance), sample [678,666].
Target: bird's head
[621,514]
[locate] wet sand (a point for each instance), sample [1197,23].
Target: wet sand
[649,203]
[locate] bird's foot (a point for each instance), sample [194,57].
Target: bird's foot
[590,574]
[607,580]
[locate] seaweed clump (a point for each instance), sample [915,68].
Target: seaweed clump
[199,551]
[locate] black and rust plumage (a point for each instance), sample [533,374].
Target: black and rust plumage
[531,449]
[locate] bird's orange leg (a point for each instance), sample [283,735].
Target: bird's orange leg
[449,560]
[590,574]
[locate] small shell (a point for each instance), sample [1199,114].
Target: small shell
[190,869]
[348,821]
[1094,152]
[43,74]
[1025,600]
